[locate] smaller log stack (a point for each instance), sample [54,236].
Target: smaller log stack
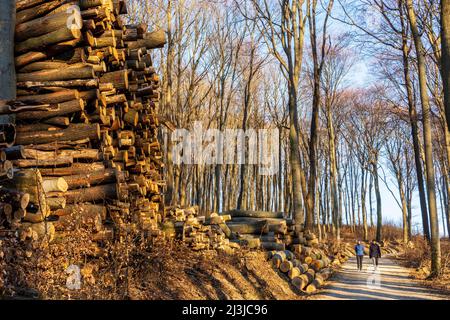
[85,121]
[307,271]
[261,229]
[198,232]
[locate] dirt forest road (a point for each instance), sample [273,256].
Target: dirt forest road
[389,282]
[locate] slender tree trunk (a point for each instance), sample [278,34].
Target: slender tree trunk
[378,198]
[427,136]
[333,175]
[414,127]
[370,200]
[363,203]
[294,157]
[445,69]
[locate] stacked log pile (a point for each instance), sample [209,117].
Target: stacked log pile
[261,229]
[310,263]
[198,232]
[306,271]
[84,122]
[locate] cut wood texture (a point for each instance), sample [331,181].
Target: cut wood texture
[82,134]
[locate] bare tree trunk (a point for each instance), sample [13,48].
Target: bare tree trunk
[445,69]
[427,136]
[414,128]
[378,197]
[363,202]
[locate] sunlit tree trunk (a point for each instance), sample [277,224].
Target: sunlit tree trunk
[430,172]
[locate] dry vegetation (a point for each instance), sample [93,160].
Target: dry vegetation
[418,257]
[136,271]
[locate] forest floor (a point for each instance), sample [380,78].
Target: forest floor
[212,275]
[162,272]
[390,282]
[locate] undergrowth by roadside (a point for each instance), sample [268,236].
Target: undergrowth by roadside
[134,269]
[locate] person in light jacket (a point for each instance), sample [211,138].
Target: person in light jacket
[359,251]
[374,253]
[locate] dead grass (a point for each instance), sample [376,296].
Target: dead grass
[138,270]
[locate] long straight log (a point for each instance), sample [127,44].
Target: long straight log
[85,72]
[44,25]
[247,228]
[59,35]
[25,4]
[37,11]
[65,108]
[92,194]
[86,83]
[75,169]
[73,132]
[254,214]
[54,97]
[90,179]
[56,161]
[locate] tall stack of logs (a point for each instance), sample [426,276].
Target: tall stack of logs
[84,124]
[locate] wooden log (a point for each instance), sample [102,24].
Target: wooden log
[119,79]
[55,185]
[58,121]
[59,35]
[83,72]
[56,161]
[43,230]
[54,97]
[25,4]
[56,203]
[254,214]
[45,25]
[247,228]
[65,108]
[30,181]
[92,194]
[79,83]
[294,272]
[37,11]
[73,132]
[16,198]
[273,246]
[300,282]
[278,258]
[91,178]
[286,266]
[75,169]
[152,40]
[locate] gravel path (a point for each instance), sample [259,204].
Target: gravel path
[389,282]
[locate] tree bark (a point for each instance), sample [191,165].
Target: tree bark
[445,69]
[428,143]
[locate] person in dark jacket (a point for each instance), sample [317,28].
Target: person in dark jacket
[359,251]
[374,253]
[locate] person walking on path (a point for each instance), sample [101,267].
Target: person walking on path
[374,253]
[359,251]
